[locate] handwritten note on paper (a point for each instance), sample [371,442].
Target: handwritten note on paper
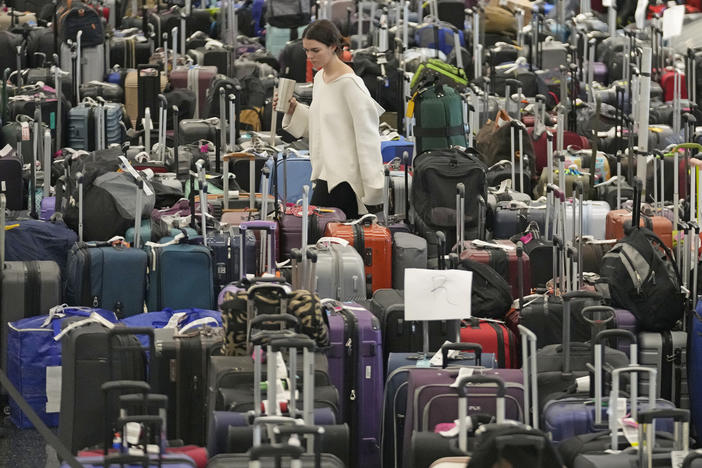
[437,294]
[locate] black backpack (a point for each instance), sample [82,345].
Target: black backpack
[521,446]
[78,16]
[641,275]
[491,295]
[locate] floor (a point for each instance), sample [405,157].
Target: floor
[24,448]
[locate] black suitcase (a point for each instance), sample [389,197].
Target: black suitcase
[84,369]
[128,52]
[180,368]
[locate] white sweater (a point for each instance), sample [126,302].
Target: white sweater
[342,125]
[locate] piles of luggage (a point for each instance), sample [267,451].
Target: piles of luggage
[169,295]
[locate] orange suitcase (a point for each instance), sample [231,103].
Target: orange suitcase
[660,225]
[374,243]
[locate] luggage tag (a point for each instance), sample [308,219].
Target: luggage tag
[6,151]
[677,457]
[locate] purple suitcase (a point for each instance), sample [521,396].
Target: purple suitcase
[431,400]
[48,207]
[267,251]
[168,460]
[624,320]
[358,377]
[291,226]
[600,72]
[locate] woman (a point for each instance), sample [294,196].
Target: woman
[342,125]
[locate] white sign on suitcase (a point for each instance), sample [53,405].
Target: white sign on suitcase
[437,294]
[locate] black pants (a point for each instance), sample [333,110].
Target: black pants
[342,197]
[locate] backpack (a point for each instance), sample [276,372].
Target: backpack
[491,295]
[288,14]
[495,442]
[76,16]
[641,275]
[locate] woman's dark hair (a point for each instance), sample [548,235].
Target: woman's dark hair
[326,32]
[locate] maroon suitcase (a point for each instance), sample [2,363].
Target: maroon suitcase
[184,77]
[503,261]
[291,226]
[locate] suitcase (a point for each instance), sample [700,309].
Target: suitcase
[617,220]
[495,338]
[408,251]
[594,218]
[29,288]
[270,461]
[650,456]
[85,367]
[198,79]
[514,217]
[431,400]
[292,173]
[501,255]
[666,352]
[395,395]
[92,62]
[180,275]
[340,271]
[141,88]
[576,415]
[374,243]
[392,149]
[291,223]
[400,335]
[212,55]
[180,368]
[106,275]
[230,258]
[128,52]
[11,182]
[358,376]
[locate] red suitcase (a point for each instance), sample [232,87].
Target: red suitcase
[503,261]
[494,337]
[198,79]
[374,243]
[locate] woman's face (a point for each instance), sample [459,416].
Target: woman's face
[318,53]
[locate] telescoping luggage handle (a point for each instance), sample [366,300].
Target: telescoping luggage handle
[277,452]
[647,434]
[303,429]
[252,178]
[599,359]
[614,397]
[463,396]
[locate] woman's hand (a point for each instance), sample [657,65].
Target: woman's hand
[291,108]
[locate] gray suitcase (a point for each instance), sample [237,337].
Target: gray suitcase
[408,251]
[666,352]
[340,272]
[92,62]
[28,288]
[631,458]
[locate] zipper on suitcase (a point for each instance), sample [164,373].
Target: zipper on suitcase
[355,358]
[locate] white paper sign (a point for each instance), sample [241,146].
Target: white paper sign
[437,294]
[607,3]
[673,21]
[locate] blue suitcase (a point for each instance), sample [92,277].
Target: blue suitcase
[392,149]
[229,260]
[109,276]
[146,235]
[291,174]
[425,35]
[180,274]
[40,240]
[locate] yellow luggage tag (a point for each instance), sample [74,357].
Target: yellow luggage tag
[410,105]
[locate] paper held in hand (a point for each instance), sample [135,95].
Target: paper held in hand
[437,294]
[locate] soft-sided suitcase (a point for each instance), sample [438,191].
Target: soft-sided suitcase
[358,376]
[180,274]
[110,276]
[403,336]
[374,243]
[181,363]
[11,183]
[84,369]
[408,251]
[438,113]
[27,288]
[198,79]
